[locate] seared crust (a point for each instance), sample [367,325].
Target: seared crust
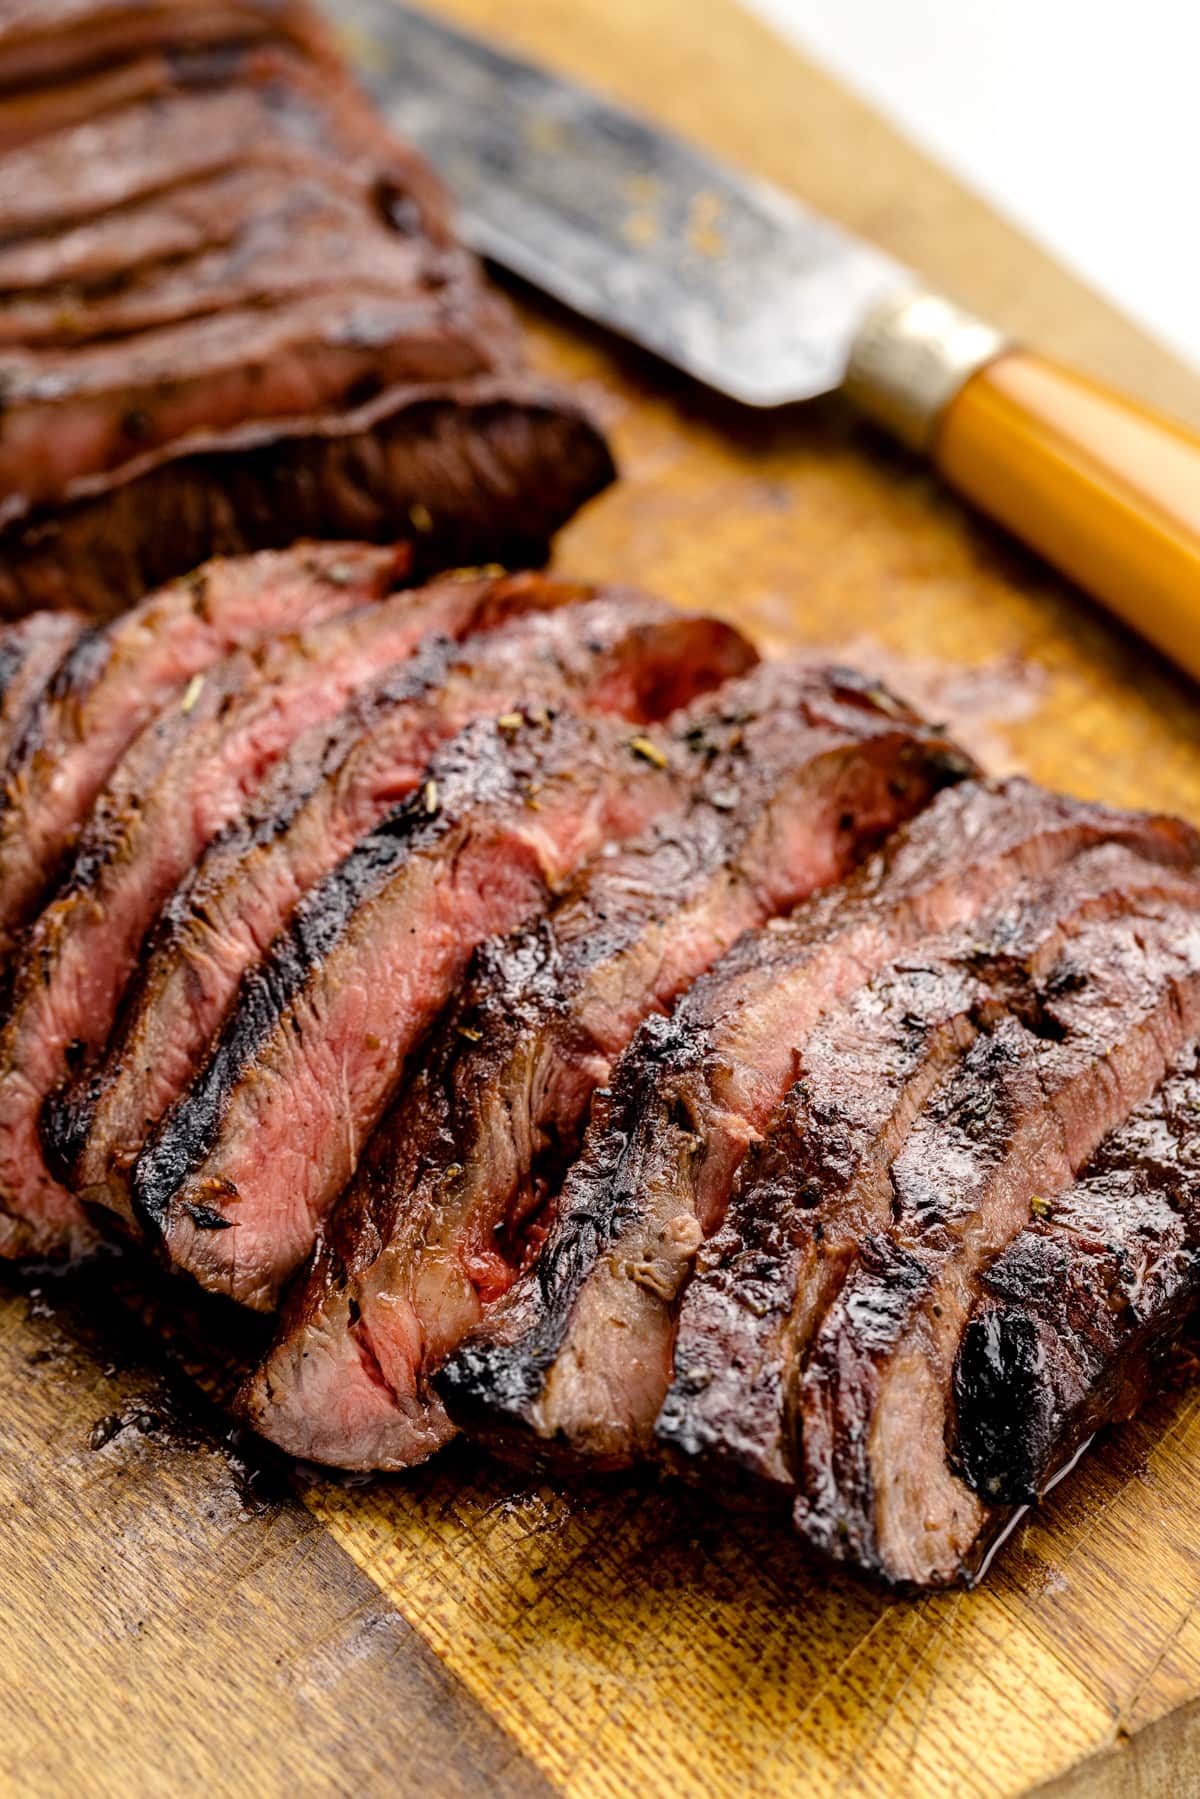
[233,313]
[1010,1127]
[819,1181]
[277,108]
[1073,1316]
[56,40]
[231,368]
[313,237]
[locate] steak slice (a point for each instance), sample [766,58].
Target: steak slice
[30,653]
[53,40]
[77,415]
[279,110]
[314,237]
[801,775]
[1012,1125]
[485,471]
[618,653]
[239,1174]
[27,114]
[116,678]
[187,776]
[819,1181]
[1072,1317]
[98,257]
[552,1374]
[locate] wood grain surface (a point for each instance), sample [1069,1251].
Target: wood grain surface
[165,1628]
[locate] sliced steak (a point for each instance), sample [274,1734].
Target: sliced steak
[238,1176]
[185,778]
[30,653]
[30,113]
[53,40]
[819,1181]
[552,1373]
[72,416]
[278,110]
[620,653]
[800,777]
[483,471]
[1072,1316]
[1012,1125]
[315,239]
[100,256]
[115,679]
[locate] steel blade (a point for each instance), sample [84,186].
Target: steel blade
[722,274]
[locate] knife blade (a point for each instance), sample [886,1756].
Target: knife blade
[746,289]
[719,273]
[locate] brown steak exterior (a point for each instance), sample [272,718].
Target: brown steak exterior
[233,313]
[1073,1317]
[478,472]
[1007,1131]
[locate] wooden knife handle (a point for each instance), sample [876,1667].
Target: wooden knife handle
[1108,491]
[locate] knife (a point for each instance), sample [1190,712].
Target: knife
[753,294]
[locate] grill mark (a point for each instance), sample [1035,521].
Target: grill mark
[1071,1318]
[185,777]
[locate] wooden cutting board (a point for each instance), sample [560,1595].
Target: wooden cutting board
[168,1624]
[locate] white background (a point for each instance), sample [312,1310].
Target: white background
[1079,118]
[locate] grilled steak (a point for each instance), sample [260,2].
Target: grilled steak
[483,470]
[30,653]
[551,1372]
[315,238]
[115,679]
[1071,1317]
[232,313]
[69,420]
[53,40]
[799,776]
[819,1181]
[270,1132]
[1012,1125]
[27,114]
[620,653]
[185,778]
[278,109]
[98,258]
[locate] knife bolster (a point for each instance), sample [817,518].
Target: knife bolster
[914,352]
